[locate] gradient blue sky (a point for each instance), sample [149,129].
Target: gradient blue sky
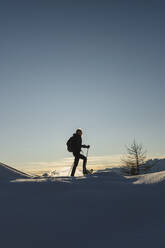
[98,65]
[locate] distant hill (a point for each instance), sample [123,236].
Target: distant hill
[155,165]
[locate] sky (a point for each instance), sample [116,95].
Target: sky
[98,65]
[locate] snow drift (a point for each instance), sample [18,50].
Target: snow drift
[8,173]
[105,209]
[101,210]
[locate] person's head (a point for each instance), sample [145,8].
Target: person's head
[79,131]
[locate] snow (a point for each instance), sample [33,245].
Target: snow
[9,173]
[100,210]
[151,178]
[156,165]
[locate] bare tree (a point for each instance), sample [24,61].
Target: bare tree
[135,157]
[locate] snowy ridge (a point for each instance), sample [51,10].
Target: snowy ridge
[151,178]
[156,173]
[106,176]
[10,173]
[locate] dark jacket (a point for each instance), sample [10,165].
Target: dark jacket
[77,143]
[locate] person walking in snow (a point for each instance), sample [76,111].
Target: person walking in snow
[74,145]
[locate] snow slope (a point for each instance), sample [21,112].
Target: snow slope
[151,178]
[9,173]
[101,210]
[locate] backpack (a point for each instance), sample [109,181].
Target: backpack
[70,144]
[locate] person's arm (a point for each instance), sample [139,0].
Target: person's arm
[84,146]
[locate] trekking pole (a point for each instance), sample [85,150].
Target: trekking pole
[70,170]
[87,152]
[91,170]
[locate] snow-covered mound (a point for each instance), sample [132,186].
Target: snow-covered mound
[8,173]
[151,178]
[104,209]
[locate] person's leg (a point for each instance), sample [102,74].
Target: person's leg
[84,163]
[76,160]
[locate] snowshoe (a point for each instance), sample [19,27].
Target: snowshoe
[88,172]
